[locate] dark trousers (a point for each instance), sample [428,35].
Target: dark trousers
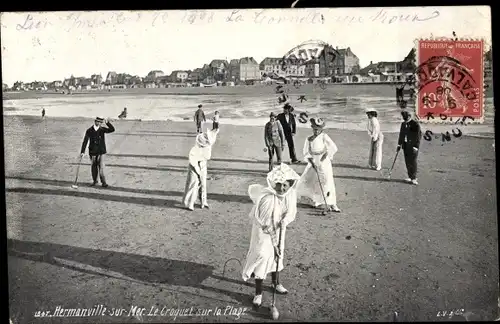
[215,125]
[198,126]
[410,161]
[291,146]
[258,283]
[271,150]
[98,168]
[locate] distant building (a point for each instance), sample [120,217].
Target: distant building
[179,76]
[85,84]
[96,79]
[244,69]
[111,78]
[218,70]
[155,74]
[4,86]
[345,62]
[196,75]
[289,67]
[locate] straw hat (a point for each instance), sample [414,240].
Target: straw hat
[369,110]
[317,123]
[99,119]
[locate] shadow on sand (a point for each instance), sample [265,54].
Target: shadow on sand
[131,267]
[182,169]
[176,157]
[154,134]
[135,200]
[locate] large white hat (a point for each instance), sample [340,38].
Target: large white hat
[281,174]
[207,138]
[367,110]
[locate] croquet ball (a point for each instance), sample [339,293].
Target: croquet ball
[274,313]
[265,149]
[324,213]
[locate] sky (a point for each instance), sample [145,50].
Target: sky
[49,46]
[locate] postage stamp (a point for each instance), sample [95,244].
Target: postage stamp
[449,80]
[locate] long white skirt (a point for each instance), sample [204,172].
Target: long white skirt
[309,186]
[191,192]
[260,257]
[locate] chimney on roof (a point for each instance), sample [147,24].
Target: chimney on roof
[371,62]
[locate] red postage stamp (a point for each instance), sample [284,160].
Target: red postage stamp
[450,80]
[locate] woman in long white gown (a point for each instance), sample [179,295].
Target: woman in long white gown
[377,139]
[197,169]
[319,150]
[275,206]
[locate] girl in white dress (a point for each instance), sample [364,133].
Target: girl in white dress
[377,139]
[319,150]
[275,206]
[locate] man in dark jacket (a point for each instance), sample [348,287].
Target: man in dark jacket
[274,139]
[199,117]
[409,139]
[287,120]
[95,137]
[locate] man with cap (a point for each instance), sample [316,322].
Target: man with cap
[196,182]
[409,140]
[95,138]
[199,117]
[274,139]
[287,120]
[377,139]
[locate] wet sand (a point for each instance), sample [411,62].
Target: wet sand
[416,250]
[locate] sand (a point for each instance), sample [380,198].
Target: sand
[415,250]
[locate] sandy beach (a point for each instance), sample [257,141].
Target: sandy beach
[414,250]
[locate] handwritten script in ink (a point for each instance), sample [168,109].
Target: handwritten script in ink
[77,20]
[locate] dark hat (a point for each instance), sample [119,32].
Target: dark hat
[99,119]
[288,107]
[200,105]
[317,123]
[272,115]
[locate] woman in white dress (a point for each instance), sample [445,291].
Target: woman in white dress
[376,140]
[319,150]
[197,169]
[275,206]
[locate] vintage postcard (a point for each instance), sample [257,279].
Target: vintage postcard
[319,164]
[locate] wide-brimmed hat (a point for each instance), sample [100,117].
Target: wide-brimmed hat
[369,110]
[317,123]
[272,115]
[281,174]
[207,138]
[99,119]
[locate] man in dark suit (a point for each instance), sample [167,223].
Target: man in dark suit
[199,118]
[287,120]
[97,147]
[409,139]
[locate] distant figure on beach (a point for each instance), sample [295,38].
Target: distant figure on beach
[199,118]
[376,140]
[317,182]
[409,140]
[196,182]
[275,206]
[123,114]
[274,139]
[215,120]
[97,147]
[287,120]
[283,98]
[43,113]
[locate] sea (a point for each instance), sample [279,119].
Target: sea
[341,107]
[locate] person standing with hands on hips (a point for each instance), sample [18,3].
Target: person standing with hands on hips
[287,120]
[409,140]
[95,138]
[274,139]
